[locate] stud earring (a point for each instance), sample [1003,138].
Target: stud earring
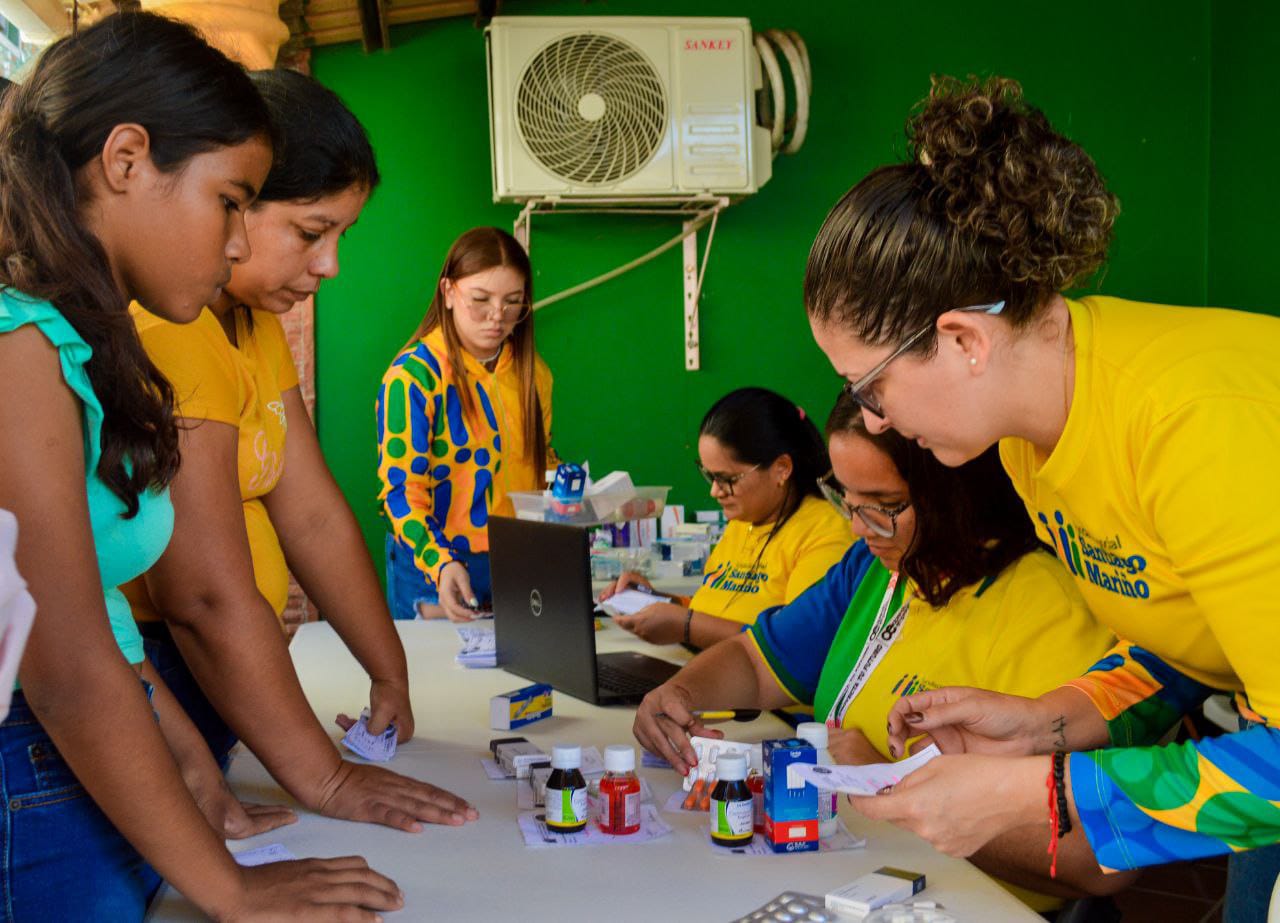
[973,360]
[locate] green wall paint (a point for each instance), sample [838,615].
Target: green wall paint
[1130,81]
[1244,184]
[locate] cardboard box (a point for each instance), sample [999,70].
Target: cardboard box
[790,814]
[519,707]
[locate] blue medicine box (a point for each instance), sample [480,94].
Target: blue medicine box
[569,483]
[790,814]
[519,707]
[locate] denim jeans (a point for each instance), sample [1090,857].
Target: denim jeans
[63,859]
[164,655]
[407,585]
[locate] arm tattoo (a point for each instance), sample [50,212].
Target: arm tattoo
[1059,728]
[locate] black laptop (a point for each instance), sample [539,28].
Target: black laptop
[544,621]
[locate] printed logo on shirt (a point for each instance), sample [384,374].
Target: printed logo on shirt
[1099,560]
[739,579]
[910,684]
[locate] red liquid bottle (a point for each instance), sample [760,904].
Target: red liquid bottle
[755,782]
[619,792]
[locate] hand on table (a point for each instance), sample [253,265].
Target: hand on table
[850,747]
[960,803]
[665,721]
[341,890]
[457,599]
[231,818]
[961,719]
[376,795]
[388,704]
[627,581]
[660,623]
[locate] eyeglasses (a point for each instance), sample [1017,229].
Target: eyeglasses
[882,520]
[726,482]
[855,389]
[481,309]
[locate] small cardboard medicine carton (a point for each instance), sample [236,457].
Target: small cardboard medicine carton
[519,707]
[515,755]
[885,885]
[790,814]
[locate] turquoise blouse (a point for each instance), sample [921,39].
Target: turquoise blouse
[125,548]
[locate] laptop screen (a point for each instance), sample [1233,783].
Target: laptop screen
[542,604]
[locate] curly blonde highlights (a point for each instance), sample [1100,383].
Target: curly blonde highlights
[993,204]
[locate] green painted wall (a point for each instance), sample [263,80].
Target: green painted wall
[1244,182]
[1128,80]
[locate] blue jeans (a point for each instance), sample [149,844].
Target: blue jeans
[407,585]
[164,655]
[63,859]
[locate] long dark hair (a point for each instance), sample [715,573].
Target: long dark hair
[320,146]
[126,68]
[994,204]
[970,523]
[759,426]
[475,251]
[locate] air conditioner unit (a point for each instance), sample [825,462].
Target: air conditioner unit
[615,107]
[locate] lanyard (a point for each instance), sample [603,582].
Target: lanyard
[884,631]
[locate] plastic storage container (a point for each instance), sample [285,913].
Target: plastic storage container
[598,509]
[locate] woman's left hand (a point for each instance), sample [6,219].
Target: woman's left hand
[850,747]
[960,803]
[661,623]
[232,818]
[388,704]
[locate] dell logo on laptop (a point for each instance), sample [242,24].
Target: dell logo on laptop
[535,603]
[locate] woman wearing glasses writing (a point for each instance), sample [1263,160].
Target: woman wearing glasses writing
[762,457]
[1142,440]
[947,582]
[464,418]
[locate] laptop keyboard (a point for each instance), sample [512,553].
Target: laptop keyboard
[620,681]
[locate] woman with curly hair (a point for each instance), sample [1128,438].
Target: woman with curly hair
[1135,434]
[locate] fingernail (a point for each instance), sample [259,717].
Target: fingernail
[887,790]
[914,717]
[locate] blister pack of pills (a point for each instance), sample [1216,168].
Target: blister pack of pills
[791,907]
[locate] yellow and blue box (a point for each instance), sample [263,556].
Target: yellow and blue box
[519,707]
[790,814]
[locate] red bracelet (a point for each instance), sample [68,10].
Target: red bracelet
[1051,783]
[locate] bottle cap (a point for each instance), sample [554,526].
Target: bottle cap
[813,732]
[731,767]
[619,758]
[565,757]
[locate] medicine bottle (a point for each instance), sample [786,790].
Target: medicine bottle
[815,734]
[755,782]
[566,800]
[619,792]
[732,807]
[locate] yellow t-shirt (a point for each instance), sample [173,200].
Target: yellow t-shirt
[241,386]
[739,582]
[1162,492]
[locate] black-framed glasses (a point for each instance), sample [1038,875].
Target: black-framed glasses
[882,520]
[855,389]
[726,482]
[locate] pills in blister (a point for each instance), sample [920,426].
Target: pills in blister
[790,907]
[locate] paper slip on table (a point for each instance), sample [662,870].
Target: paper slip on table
[483,871]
